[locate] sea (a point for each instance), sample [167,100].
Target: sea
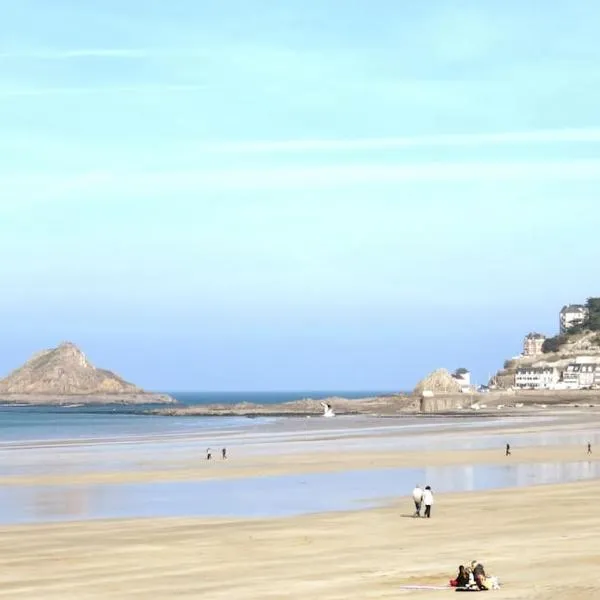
[27,423]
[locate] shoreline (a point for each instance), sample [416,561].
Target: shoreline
[400,404]
[308,463]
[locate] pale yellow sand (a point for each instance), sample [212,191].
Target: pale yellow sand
[542,542]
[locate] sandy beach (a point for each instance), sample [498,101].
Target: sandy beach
[540,541]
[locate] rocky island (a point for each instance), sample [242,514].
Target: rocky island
[64,375]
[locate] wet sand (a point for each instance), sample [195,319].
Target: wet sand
[260,466]
[541,541]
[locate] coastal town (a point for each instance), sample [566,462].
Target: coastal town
[567,361]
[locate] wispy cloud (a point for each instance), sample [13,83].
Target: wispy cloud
[303,177]
[82,53]
[95,91]
[476,139]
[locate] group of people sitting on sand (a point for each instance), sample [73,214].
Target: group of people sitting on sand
[474,579]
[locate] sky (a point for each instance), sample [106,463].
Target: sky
[298,195]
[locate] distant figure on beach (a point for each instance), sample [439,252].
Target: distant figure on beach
[507,449]
[208,454]
[418,498]
[589,448]
[428,501]
[224,453]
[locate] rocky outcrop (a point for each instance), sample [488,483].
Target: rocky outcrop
[447,402]
[438,382]
[65,372]
[374,406]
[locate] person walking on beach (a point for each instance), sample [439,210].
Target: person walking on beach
[418,498]
[507,449]
[428,501]
[224,453]
[208,454]
[589,449]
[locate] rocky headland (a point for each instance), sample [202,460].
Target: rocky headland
[64,375]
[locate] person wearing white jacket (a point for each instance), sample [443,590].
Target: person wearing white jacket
[428,501]
[418,498]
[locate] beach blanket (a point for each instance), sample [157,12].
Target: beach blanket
[492,583]
[424,587]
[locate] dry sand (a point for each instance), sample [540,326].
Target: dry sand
[542,542]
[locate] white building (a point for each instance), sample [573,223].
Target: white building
[571,315]
[532,344]
[537,378]
[584,360]
[463,378]
[570,376]
[581,375]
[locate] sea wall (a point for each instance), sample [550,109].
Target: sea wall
[513,399]
[447,402]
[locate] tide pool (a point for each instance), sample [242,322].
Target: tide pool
[277,496]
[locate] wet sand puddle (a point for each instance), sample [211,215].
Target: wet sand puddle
[273,496]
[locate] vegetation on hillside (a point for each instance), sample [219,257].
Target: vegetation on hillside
[590,323]
[553,344]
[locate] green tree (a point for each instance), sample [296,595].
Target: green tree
[553,344]
[461,371]
[592,321]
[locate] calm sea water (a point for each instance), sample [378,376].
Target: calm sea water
[40,423]
[191,398]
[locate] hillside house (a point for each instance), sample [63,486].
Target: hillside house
[581,375]
[463,378]
[537,378]
[570,376]
[571,315]
[532,344]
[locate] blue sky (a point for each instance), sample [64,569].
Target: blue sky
[295,195]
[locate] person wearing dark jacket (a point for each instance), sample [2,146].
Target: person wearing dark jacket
[462,579]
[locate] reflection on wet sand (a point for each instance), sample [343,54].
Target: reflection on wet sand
[273,496]
[46,503]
